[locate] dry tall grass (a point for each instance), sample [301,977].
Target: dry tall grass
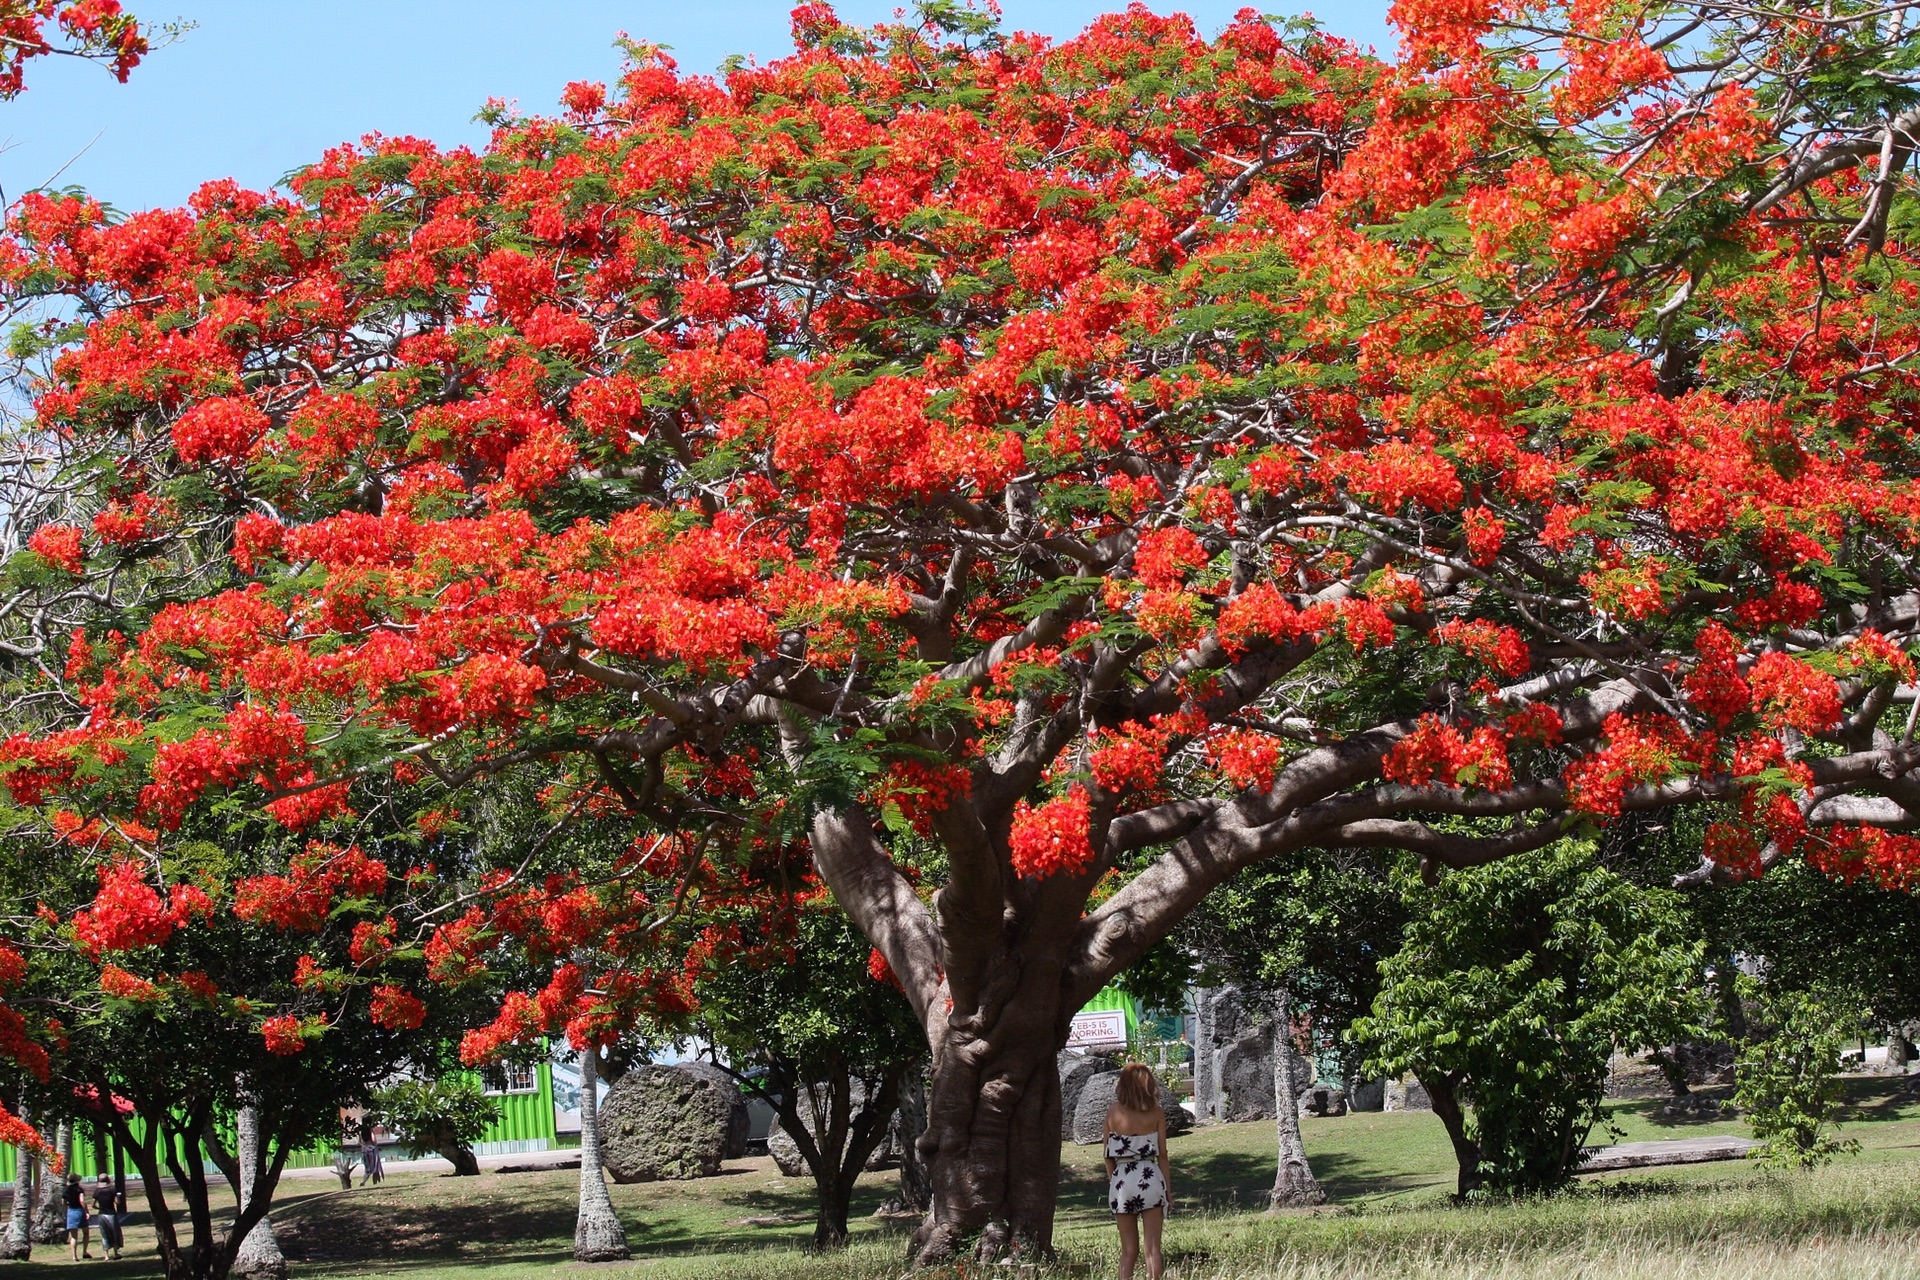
[1859,1221]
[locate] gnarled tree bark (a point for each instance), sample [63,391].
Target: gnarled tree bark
[49,1220]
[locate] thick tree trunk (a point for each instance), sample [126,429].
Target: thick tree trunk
[1293,1181]
[597,1234]
[50,1223]
[259,1255]
[465,1163]
[1445,1093]
[993,1129]
[17,1244]
[833,1190]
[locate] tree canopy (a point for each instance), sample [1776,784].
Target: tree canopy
[1046,477]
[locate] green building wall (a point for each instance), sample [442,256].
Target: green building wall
[526,1123]
[526,1120]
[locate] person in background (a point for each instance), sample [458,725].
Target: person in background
[111,1209]
[1139,1183]
[373,1170]
[78,1236]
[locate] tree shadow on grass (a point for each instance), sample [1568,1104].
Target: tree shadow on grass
[540,1226]
[1351,1177]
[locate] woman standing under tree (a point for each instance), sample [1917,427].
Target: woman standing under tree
[1139,1184]
[79,1235]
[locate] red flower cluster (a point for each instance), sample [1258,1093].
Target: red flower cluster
[1734,847]
[1130,760]
[287,1034]
[880,971]
[121,985]
[1636,750]
[1789,693]
[60,545]
[452,952]
[301,900]
[127,913]
[396,1009]
[1493,644]
[1889,859]
[1163,558]
[372,943]
[920,789]
[1437,752]
[1715,684]
[1484,533]
[1051,839]
[91,28]
[1245,757]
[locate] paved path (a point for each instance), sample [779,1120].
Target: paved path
[1638,1155]
[558,1158]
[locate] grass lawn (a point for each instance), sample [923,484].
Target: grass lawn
[1388,1176]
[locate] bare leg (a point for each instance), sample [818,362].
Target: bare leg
[1154,1220]
[1129,1242]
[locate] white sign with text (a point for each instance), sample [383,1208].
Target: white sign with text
[1097,1027]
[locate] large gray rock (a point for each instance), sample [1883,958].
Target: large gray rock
[1367,1095]
[1407,1094]
[786,1152]
[739,1123]
[1090,1115]
[1246,1077]
[1233,1058]
[665,1124]
[1075,1070]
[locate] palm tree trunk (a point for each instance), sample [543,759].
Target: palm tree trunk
[259,1255]
[597,1234]
[1293,1180]
[17,1244]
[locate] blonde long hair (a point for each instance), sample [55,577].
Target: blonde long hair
[1137,1090]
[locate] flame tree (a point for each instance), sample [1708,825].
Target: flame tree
[1049,477]
[95,30]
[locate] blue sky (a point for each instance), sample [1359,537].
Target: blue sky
[262,86]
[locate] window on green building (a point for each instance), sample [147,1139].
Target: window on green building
[511,1077]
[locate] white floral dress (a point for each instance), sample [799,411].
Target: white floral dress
[1136,1184]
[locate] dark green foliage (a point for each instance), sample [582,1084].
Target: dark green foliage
[1318,922]
[1515,984]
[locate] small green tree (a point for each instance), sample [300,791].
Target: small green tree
[446,1116]
[828,1036]
[1786,1079]
[1515,984]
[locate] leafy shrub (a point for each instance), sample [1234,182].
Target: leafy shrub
[1786,1081]
[445,1116]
